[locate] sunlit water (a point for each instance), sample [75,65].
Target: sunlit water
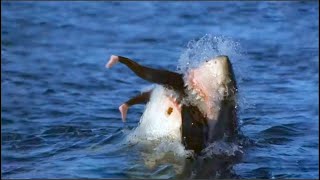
[60,114]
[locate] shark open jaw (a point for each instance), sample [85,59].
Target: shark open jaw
[211,80]
[209,83]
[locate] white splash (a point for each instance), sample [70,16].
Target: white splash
[208,47]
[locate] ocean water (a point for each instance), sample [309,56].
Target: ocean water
[59,104]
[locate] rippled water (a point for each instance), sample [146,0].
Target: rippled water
[60,105]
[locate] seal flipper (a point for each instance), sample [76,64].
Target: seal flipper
[163,77]
[142,98]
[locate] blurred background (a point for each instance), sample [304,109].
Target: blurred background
[59,110]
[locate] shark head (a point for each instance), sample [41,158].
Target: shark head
[212,88]
[210,83]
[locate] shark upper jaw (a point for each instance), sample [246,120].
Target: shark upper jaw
[209,83]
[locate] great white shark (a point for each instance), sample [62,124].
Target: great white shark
[196,108]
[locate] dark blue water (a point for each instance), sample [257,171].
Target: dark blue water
[60,105]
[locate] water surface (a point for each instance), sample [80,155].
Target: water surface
[60,114]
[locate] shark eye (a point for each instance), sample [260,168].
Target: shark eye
[169,111]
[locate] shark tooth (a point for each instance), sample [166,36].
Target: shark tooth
[193,92]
